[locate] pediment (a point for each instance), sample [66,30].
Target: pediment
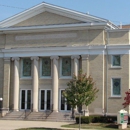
[47,18]
[46,14]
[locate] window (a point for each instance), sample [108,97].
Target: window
[116,87]
[66,66]
[26,69]
[46,67]
[116,60]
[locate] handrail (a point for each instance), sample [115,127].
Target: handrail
[27,113]
[51,110]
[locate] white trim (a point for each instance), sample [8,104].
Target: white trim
[65,51]
[45,97]
[77,26]
[112,87]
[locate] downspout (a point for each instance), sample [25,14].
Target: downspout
[107,42]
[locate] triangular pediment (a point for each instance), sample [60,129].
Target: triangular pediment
[47,18]
[47,14]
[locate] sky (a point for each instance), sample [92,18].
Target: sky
[117,11]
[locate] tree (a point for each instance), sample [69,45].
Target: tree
[127,99]
[81,91]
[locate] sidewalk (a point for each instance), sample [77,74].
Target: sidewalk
[13,124]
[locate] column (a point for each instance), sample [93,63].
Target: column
[76,63]
[85,69]
[55,83]
[35,83]
[16,83]
[6,86]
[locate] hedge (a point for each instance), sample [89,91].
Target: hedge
[96,119]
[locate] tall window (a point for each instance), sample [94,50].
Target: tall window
[26,67]
[116,60]
[116,86]
[46,67]
[66,66]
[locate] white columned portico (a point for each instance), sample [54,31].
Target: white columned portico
[76,63]
[35,83]
[55,83]
[16,83]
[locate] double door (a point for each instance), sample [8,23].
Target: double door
[26,99]
[63,104]
[45,100]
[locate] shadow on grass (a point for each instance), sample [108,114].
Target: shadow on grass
[111,126]
[36,128]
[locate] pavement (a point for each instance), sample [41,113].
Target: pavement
[15,124]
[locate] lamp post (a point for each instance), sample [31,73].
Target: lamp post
[1,99]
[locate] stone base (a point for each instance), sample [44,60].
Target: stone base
[35,110]
[122,126]
[4,111]
[15,110]
[56,111]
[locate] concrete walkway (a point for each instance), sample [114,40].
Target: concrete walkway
[13,125]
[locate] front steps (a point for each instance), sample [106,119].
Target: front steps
[14,116]
[39,116]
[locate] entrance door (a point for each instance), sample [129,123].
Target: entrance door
[25,103]
[63,105]
[45,100]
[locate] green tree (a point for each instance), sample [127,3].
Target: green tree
[81,91]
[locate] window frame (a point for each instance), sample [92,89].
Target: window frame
[112,95]
[25,77]
[112,59]
[44,77]
[61,76]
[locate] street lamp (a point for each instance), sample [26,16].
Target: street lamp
[1,99]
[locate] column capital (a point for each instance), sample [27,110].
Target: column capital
[34,58]
[15,58]
[54,57]
[75,57]
[85,57]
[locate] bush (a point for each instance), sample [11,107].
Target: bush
[96,119]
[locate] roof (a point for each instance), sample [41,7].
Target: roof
[87,18]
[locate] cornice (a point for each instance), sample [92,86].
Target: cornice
[65,27]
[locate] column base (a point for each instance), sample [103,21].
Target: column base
[55,111]
[15,110]
[34,110]
[4,111]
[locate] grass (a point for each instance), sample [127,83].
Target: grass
[36,129]
[97,126]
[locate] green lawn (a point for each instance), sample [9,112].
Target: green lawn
[98,126]
[36,129]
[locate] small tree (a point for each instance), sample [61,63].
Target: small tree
[80,91]
[127,99]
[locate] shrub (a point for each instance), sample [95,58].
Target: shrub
[96,119]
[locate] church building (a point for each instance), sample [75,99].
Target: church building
[42,47]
